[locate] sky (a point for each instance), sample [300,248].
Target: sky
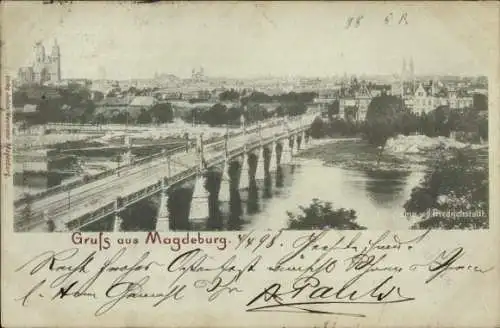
[125,40]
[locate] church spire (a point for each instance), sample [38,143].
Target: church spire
[55,49]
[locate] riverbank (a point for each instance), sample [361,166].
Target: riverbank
[402,153]
[355,153]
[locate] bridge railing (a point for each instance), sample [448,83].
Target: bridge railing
[90,178]
[102,211]
[109,208]
[28,223]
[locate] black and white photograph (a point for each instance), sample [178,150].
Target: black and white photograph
[154,126]
[249,164]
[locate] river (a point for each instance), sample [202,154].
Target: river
[376,196]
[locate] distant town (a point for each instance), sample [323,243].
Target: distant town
[112,101]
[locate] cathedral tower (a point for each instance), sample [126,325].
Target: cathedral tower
[55,63]
[39,53]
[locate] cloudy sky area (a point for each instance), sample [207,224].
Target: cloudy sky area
[249,40]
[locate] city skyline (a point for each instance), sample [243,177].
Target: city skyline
[129,41]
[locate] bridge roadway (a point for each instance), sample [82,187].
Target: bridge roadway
[75,203]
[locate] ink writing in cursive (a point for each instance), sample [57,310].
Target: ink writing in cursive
[307,294]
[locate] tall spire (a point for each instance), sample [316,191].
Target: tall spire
[55,49]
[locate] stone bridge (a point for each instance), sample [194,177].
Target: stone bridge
[71,207]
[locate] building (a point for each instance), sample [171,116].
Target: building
[354,104]
[45,69]
[325,99]
[431,95]
[198,75]
[405,84]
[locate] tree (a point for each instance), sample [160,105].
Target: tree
[162,112]
[255,113]
[20,98]
[318,128]
[480,102]
[257,97]
[229,95]
[408,123]
[233,115]
[195,115]
[280,111]
[321,215]
[49,111]
[216,115]
[121,117]
[470,124]
[296,108]
[88,111]
[133,91]
[99,119]
[144,117]
[333,109]
[441,115]
[295,97]
[98,96]
[381,120]
[456,183]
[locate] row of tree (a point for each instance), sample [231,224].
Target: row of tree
[220,114]
[157,114]
[76,104]
[72,103]
[386,118]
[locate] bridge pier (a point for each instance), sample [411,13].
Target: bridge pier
[273,162]
[260,172]
[117,224]
[305,139]
[127,156]
[163,219]
[245,172]
[199,203]
[286,152]
[225,183]
[298,139]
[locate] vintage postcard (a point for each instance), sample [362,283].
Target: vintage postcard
[249,164]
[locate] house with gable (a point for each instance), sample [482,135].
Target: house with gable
[430,96]
[355,104]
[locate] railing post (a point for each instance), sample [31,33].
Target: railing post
[199,151]
[117,224]
[169,168]
[199,202]
[163,220]
[273,162]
